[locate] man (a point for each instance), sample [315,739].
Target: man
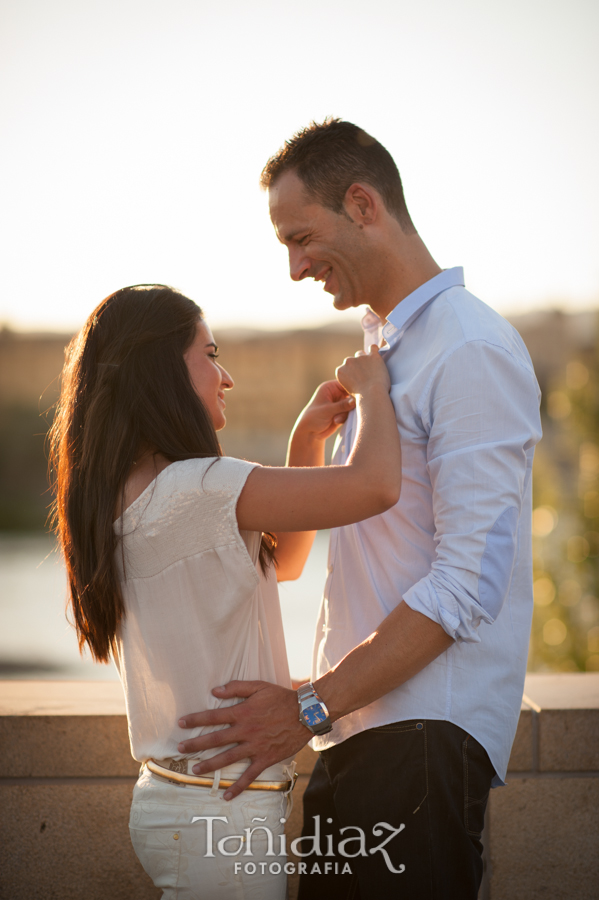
[421,646]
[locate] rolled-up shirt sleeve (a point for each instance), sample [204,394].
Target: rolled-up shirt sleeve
[481,412]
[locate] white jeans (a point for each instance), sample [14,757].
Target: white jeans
[233,850]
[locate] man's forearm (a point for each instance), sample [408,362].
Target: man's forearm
[404,644]
[266,727]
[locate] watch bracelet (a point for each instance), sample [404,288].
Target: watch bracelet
[304,692]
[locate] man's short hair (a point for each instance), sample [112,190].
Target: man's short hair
[330,157]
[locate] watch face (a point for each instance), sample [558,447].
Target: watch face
[314,715]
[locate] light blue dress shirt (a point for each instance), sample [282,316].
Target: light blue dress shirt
[457,546]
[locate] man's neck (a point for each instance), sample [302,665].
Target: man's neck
[406,266]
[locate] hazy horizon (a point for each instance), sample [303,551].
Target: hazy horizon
[333,324]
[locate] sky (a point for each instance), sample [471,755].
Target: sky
[132,137]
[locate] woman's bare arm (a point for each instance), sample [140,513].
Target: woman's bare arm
[323,415]
[306,499]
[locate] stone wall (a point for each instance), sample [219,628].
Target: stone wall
[66,777]
[543,827]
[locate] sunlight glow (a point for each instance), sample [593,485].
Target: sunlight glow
[133,135]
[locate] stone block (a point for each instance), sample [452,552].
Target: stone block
[69,842]
[568,720]
[65,746]
[521,757]
[563,690]
[545,839]
[64,729]
[569,740]
[61,698]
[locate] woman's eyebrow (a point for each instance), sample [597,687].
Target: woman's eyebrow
[211,344]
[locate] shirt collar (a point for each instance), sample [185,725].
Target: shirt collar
[408,309]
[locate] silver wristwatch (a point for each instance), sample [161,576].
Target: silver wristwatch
[312,710]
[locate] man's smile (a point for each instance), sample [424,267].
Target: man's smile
[324,276]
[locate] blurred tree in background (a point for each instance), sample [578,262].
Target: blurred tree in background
[565,634]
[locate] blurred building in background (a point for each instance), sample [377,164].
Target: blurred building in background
[276,373]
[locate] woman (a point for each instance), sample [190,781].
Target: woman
[173,552]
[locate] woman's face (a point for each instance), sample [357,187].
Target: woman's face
[210,381]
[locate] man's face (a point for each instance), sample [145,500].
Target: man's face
[322,244]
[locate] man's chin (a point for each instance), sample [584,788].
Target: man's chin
[341,304]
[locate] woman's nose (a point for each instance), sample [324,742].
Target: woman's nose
[226,380]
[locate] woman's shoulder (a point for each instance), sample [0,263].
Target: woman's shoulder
[190,480]
[208,474]
[189,509]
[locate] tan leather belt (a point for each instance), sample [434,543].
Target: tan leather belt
[162,768]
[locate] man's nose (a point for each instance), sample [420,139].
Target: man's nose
[299,264]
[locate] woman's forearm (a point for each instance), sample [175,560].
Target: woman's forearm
[293,547]
[376,453]
[309,497]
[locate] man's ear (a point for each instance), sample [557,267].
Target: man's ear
[361,203]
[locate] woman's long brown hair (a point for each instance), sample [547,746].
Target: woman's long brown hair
[125,389]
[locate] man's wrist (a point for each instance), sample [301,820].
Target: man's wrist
[313,713]
[325,688]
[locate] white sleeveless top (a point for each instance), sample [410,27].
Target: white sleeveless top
[198,610]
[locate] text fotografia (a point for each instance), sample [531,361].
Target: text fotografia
[352,846]
[275,868]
